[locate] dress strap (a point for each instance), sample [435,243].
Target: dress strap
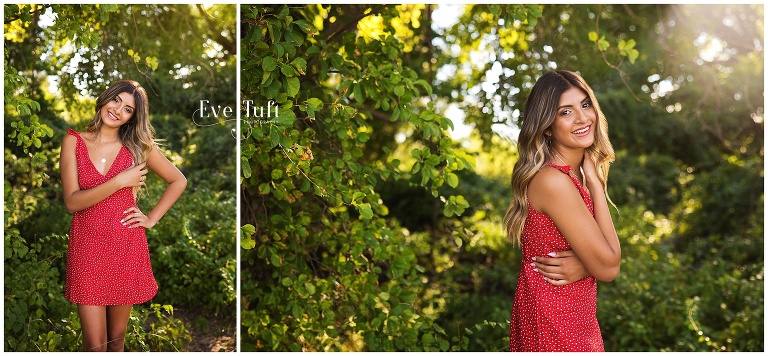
[74,133]
[565,169]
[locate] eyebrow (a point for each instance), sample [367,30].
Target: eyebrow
[570,106]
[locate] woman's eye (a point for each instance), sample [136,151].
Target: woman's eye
[586,105]
[565,112]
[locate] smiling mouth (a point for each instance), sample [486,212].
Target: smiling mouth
[112,116]
[581,131]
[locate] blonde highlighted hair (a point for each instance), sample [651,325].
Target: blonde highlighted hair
[137,135]
[535,149]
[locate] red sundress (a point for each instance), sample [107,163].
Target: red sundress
[546,317]
[107,263]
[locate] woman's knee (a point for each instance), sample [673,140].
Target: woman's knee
[94,344]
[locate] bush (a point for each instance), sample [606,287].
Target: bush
[193,251]
[662,302]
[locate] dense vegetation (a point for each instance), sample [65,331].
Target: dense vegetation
[54,68]
[367,226]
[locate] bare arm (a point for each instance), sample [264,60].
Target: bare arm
[602,214]
[77,199]
[176,185]
[593,239]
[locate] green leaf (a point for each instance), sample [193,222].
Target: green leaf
[315,103]
[300,64]
[269,63]
[292,87]
[358,93]
[248,229]
[424,84]
[593,36]
[287,70]
[247,243]
[284,117]
[399,90]
[603,44]
[452,179]
[305,26]
[365,211]
[245,167]
[275,259]
[310,288]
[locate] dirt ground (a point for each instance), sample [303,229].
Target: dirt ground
[209,334]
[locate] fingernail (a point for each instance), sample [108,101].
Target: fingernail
[536,270]
[552,254]
[533,258]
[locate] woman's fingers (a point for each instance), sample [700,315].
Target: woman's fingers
[132,217]
[556,282]
[560,268]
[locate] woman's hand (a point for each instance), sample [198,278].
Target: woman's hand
[132,177]
[135,218]
[589,168]
[561,268]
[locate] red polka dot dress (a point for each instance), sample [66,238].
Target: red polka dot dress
[107,263]
[546,317]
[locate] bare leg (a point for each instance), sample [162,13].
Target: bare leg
[93,320]
[117,323]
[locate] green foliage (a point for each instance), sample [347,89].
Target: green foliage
[660,302]
[324,268]
[34,303]
[155,329]
[347,193]
[196,238]
[192,251]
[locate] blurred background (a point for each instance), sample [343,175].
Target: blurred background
[372,208]
[57,60]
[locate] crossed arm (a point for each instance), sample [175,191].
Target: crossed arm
[595,245]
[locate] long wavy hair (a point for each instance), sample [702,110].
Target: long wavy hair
[137,135]
[535,149]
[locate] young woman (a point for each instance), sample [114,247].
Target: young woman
[102,169]
[560,210]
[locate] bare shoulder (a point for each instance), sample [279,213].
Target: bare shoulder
[549,187]
[154,153]
[548,180]
[69,140]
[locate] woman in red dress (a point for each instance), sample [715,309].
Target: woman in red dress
[560,209]
[102,169]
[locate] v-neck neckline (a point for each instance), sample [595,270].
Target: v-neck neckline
[90,159]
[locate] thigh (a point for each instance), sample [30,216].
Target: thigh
[117,320]
[93,320]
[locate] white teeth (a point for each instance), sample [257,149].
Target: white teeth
[582,130]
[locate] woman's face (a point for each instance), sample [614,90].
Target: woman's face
[575,120]
[119,110]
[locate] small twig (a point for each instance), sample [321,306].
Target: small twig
[622,74]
